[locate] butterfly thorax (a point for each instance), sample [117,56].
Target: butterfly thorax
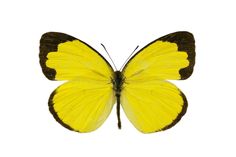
[117,82]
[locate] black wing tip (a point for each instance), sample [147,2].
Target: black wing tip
[185,42]
[49,43]
[180,115]
[54,113]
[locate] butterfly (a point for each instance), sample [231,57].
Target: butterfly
[150,102]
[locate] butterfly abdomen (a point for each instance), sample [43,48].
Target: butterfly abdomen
[117,86]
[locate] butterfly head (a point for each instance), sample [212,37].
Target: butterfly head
[118,81]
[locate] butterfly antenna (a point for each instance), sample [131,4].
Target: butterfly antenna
[109,56]
[128,58]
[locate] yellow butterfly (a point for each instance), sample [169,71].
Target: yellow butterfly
[149,101]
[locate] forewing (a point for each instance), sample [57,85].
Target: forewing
[171,57]
[63,57]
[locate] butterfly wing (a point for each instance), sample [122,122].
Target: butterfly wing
[151,103]
[63,57]
[170,57]
[83,103]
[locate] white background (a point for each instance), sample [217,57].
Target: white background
[28,129]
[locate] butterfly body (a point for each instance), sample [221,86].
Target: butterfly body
[142,88]
[117,86]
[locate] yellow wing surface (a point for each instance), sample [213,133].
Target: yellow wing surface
[150,102]
[84,102]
